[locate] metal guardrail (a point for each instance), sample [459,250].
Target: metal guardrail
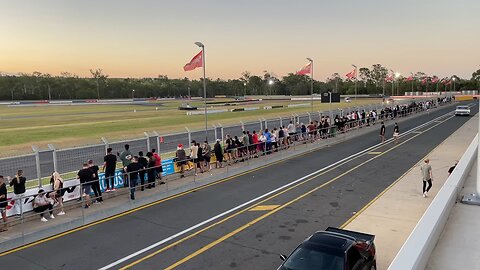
[416,251]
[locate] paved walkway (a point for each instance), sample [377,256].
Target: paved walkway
[459,244]
[395,213]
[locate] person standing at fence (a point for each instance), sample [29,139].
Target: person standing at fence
[207,154]
[151,170]
[133,170]
[217,149]
[109,166]
[382,132]
[41,204]
[85,175]
[18,183]
[158,166]
[427,176]
[181,157]
[201,160]
[194,155]
[126,158]
[144,162]
[3,204]
[95,182]
[58,190]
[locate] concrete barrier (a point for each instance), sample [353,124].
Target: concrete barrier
[418,248]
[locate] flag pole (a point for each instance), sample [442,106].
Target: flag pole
[411,73]
[199,44]
[311,86]
[356,79]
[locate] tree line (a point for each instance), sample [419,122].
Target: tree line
[372,81]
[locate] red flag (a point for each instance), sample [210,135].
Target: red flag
[196,62]
[307,69]
[434,79]
[389,78]
[410,78]
[425,80]
[352,74]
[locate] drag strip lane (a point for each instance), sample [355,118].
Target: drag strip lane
[277,192]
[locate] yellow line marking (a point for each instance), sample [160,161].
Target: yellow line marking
[264,207]
[374,153]
[157,202]
[358,213]
[223,238]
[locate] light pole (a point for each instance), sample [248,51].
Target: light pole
[133,94]
[311,86]
[454,79]
[189,96]
[270,83]
[356,79]
[199,44]
[411,74]
[393,90]
[244,89]
[397,75]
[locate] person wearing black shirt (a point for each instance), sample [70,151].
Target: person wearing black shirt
[109,166]
[18,183]
[382,132]
[85,175]
[152,170]
[132,170]
[450,171]
[3,204]
[96,182]
[142,161]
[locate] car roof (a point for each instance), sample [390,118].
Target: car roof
[331,240]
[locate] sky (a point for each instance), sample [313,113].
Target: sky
[144,38]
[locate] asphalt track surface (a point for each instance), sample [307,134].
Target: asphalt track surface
[251,236]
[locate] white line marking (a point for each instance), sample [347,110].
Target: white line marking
[163,241]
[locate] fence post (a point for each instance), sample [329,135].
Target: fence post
[54,155]
[189,135]
[309,117]
[158,141]
[215,129]
[261,123]
[37,163]
[148,141]
[221,132]
[281,121]
[242,125]
[105,142]
[265,120]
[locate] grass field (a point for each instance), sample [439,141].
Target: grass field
[66,126]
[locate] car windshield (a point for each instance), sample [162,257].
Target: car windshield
[308,257]
[462,107]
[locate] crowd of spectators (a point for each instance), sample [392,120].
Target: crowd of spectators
[146,170]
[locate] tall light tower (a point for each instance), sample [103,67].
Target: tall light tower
[311,85]
[199,44]
[356,80]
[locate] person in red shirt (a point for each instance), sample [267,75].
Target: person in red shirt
[158,166]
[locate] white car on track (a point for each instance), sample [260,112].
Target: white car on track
[462,110]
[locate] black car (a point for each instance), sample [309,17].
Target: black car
[333,249]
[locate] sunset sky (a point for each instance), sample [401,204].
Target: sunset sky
[146,38]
